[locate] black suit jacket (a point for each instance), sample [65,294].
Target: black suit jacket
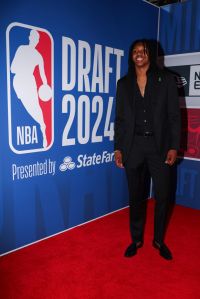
[162,91]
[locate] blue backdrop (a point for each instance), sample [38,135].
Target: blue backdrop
[56,153]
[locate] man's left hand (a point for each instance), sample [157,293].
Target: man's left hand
[171,157]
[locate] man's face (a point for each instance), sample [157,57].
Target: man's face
[140,55]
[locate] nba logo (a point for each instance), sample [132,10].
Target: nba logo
[30,88]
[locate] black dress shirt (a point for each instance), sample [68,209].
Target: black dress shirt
[143,115]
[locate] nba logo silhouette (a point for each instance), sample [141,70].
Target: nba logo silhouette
[30,88]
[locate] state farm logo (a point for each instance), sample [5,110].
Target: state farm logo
[30,88]
[67,164]
[85,160]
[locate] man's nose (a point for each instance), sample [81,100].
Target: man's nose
[140,52]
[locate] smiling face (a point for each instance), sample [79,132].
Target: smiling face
[140,55]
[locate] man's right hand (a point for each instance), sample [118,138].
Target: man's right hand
[118,159]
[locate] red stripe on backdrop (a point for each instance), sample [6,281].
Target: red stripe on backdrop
[87,262]
[44,48]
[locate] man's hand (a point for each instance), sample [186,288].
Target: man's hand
[118,159]
[171,157]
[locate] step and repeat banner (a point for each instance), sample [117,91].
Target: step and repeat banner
[59,64]
[180,41]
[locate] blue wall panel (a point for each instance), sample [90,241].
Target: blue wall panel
[35,205]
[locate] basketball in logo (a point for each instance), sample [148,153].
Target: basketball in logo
[45,93]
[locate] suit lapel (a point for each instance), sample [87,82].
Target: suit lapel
[131,90]
[153,81]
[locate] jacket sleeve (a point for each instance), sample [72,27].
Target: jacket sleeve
[174,117]
[119,118]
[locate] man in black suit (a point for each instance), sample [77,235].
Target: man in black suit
[147,134]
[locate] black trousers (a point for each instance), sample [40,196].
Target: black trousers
[143,157]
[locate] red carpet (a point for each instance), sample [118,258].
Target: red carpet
[87,263]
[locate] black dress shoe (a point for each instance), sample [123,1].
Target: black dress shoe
[163,249]
[132,249]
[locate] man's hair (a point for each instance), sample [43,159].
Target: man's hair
[150,46]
